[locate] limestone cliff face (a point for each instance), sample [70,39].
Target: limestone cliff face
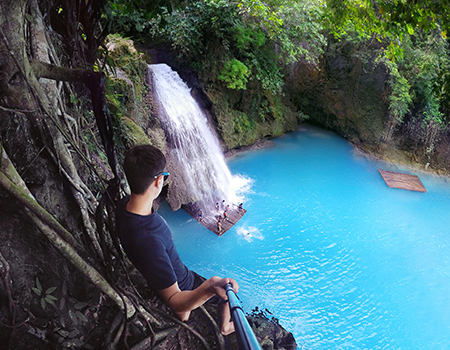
[344,93]
[348,93]
[138,124]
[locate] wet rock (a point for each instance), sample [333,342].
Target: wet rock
[271,334]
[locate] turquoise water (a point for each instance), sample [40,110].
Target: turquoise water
[343,261]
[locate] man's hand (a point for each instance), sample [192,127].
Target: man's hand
[217,284]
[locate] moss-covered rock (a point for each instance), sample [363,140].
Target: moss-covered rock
[130,100]
[345,93]
[245,117]
[348,93]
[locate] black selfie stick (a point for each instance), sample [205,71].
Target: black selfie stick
[246,338]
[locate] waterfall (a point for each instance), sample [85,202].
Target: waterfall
[191,138]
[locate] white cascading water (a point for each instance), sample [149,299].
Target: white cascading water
[197,147]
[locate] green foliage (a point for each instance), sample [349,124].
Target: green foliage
[264,37]
[243,124]
[249,37]
[399,98]
[69,321]
[266,15]
[303,30]
[46,296]
[193,29]
[268,72]
[249,43]
[132,17]
[235,74]
[419,80]
[122,54]
[426,65]
[275,107]
[387,20]
[415,50]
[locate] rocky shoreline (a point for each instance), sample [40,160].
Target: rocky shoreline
[400,158]
[382,152]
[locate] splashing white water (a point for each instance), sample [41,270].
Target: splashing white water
[241,186]
[196,146]
[250,233]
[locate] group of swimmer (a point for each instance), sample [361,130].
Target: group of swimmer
[225,208]
[219,218]
[222,209]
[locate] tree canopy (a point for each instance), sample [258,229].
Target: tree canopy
[235,40]
[241,41]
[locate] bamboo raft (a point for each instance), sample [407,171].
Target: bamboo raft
[233,215]
[402,181]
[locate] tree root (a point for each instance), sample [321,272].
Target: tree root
[66,249]
[63,154]
[181,323]
[4,271]
[219,336]
[13,180]
[118,322]
[150,341]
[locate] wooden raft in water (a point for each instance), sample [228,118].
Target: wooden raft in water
[210,221]
[403,181]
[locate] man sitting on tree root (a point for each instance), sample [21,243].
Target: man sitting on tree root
[148,242]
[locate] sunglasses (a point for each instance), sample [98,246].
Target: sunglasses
[166,175]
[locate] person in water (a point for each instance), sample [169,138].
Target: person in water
[147,240]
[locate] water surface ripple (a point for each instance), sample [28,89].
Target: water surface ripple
[343,261]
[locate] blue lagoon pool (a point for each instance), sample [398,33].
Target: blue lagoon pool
[342,260]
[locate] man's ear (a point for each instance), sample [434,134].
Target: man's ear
[159,181]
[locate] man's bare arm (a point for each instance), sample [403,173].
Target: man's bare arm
[183,302]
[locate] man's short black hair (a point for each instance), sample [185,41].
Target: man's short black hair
[141,165]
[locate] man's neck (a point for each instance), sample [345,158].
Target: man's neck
[140,204]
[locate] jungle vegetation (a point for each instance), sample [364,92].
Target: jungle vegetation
[242,41]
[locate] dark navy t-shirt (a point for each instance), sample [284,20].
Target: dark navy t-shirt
[148,243]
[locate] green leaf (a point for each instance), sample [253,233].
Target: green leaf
[64,286]
[50,290]
[63,333]
[81,316]
[43,303]
[74,333]
[62,303]
[62,321]
[51,297]
[50,301]
[80,305]
[37,291]
[73,317]
[38,284]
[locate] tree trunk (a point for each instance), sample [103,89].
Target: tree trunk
[14,91]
